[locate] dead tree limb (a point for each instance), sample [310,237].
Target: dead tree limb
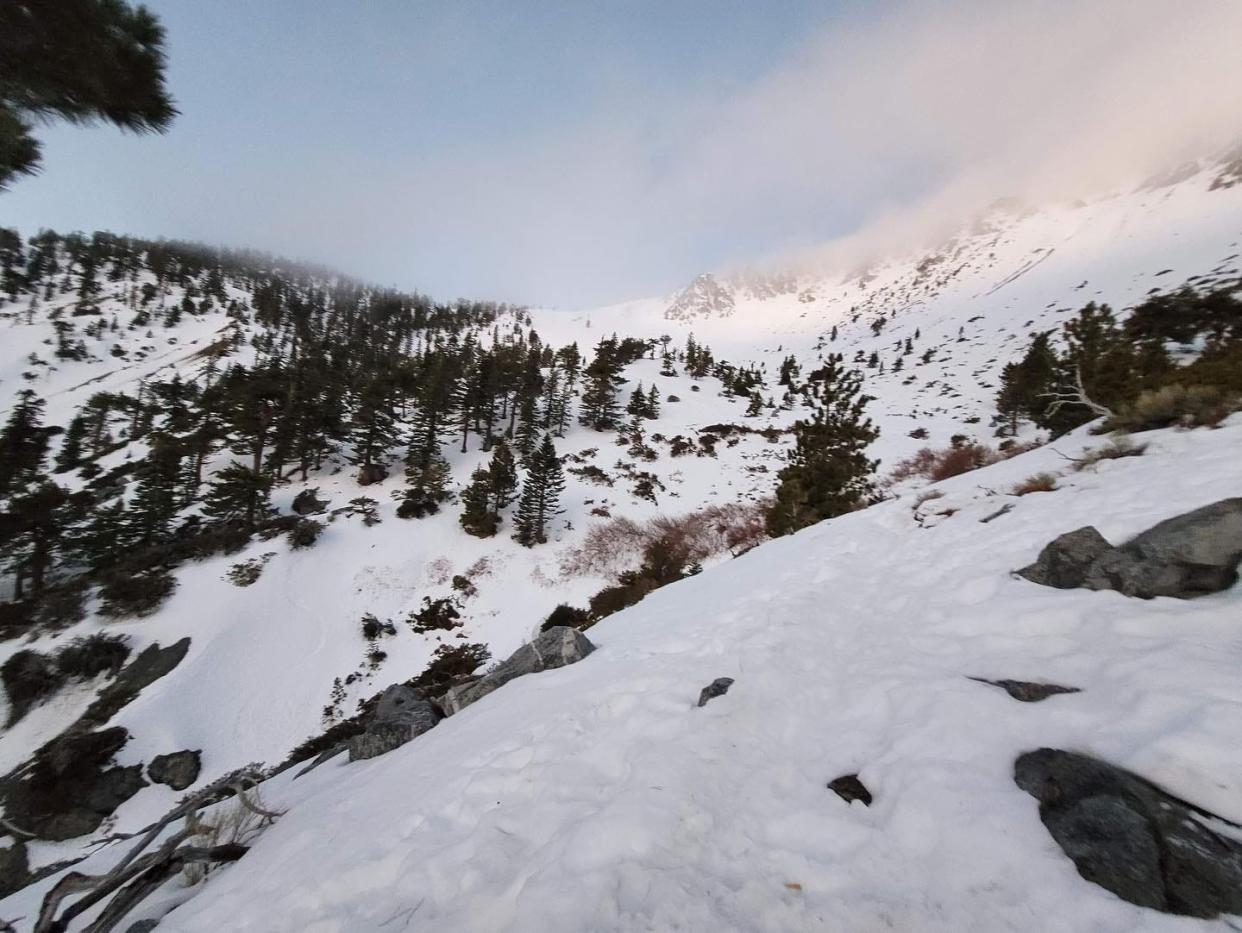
[1075,395]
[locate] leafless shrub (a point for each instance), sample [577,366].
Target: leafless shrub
[1116,449]
[1040,482]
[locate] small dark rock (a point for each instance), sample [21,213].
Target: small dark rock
[143,926]
[177,769]
[307,502]
[1065,561]
[371,473]
[1026,691]
[1132,838]
[849,788]
[717,688]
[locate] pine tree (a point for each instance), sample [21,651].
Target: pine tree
[477,517]
[540,494]
[238,493]
[637,407]
[70,453]
[829,472]
[31,535]
[599,409]
[156,498]
[23,443]
[490,490]
[653,403]
[80,60]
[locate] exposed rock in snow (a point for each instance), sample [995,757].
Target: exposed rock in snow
[307,502]
[717,688]
[14,868]
[1027,692]
[849,788]
[402,714]
[371,473]
[1186,556]
[1065,561]
[1129,836]
[176,769]
[71,787]
[558,646]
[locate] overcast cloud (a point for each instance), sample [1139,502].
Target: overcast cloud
[618,174]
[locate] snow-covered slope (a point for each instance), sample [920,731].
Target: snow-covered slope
[586,798]
[598,797]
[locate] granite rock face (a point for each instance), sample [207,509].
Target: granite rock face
[557,647]
[402,714]
[1129,836]
[1186,556]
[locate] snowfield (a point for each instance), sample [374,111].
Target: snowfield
[598,797]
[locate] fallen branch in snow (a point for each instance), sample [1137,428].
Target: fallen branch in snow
[140,873]
[1007,507]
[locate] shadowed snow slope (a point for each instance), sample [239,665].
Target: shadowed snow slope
[598,797]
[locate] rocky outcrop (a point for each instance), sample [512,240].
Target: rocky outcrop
[717,688]
[1191,555]
[371,473]
[70,785]
[554,648]
[307,502]
[401,714]
[1066,560]
[150,665]
[703,298]
[1025,691]
[849,788]
[1132,838]
[14,868]
[177,770]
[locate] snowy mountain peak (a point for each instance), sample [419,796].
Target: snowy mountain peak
[705,297]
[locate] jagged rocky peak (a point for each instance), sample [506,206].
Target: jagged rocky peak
[705,297]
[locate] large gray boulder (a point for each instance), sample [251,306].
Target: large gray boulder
[177,770]
[401,714]
[1187,556]
[557,647]
[1132,838]
[1065,561]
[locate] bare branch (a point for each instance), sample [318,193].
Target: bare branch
[1075,395]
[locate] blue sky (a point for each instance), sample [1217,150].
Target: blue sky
[580,152]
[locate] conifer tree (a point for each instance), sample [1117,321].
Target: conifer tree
[23,443]
[477,517]
[491,489]
[828,472]
[156,498]
[599,409]
[70,453]
[238,493]
[540,494]
[80,60]
[31,535]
